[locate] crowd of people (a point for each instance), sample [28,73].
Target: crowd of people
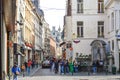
[63,66]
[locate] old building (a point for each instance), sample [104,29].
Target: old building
[7,29]
[46,38]
[18,35]
[91,28]
[38,22]
[52,47]
[112,10]
[80,30]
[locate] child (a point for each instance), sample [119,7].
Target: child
[23,69]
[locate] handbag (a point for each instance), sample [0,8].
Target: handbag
[17,72]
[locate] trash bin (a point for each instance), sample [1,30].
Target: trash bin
[113,70]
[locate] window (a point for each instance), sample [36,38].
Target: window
[112,44]
[53,33]
[112,21]
[69,45]
[100,6]
[109,46]
[79,29]
[79,6]
[100,29]
[109,25]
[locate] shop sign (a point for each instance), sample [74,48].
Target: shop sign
[76,41]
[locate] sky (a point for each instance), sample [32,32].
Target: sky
[54,11]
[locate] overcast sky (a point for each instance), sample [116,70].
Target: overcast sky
[54,11]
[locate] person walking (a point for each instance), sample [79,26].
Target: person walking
[94,67]
[28,66]
[75,64]
[67,66]
[16,71]
[71,67]
[56,66]
[23,69]
[59,68]
[62,66]
[51,62]
[25,63]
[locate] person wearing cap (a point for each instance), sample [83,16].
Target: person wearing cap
[16,71]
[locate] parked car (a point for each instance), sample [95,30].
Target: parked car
[46,64]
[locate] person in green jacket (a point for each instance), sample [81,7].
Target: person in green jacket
[71,67]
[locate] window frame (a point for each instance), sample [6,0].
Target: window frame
[100,28]
[112,21]
[80,31]
[100,6]
[79,6]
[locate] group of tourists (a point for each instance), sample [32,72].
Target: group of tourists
[63,66]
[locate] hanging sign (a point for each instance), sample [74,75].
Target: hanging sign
[76,41]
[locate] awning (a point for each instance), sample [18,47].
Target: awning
[19,53]
[62,43]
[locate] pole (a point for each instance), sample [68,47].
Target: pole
[1,21]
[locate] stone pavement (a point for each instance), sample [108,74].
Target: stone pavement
[46,74]
[32,71]
[114,77]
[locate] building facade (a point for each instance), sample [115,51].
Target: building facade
[112,10]
[20,33]
[52,47]
[92,27]
[79,26]
[7,16]
[46,36]
[38,22]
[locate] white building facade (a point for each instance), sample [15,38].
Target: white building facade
[86,29]
[112,9]
[83,25]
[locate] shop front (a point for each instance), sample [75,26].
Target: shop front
[18,54]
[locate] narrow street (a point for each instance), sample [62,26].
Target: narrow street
[79,38]
[45,74]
